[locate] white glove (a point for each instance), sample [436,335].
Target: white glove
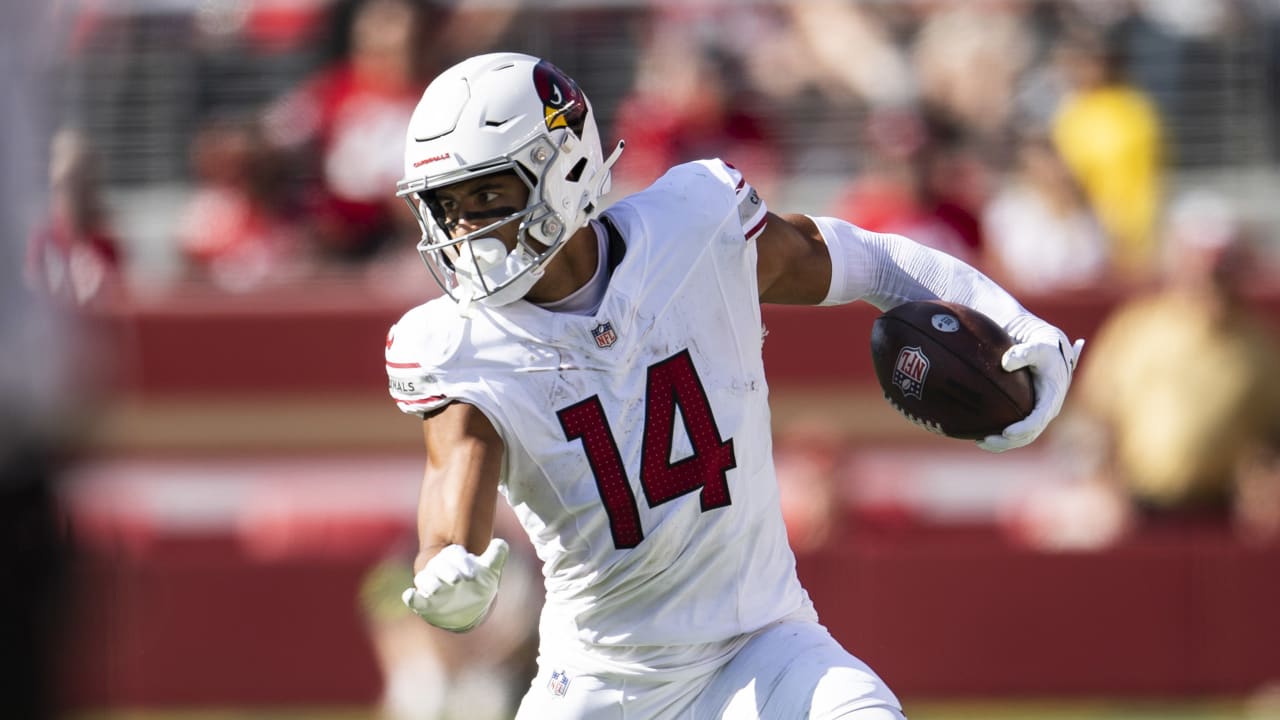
[1052,359]
[456,589]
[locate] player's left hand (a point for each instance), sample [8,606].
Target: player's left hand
[1052,359]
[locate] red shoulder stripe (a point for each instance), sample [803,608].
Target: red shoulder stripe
[423,401]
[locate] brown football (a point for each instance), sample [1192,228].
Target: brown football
[939,365]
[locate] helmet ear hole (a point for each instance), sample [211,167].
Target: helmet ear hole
[575,173]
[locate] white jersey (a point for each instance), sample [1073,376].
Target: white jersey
[638,447]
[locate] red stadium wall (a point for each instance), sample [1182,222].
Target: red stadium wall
[329,340]
[968,614]
[192,620]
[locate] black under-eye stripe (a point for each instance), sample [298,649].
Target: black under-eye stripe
[491,214]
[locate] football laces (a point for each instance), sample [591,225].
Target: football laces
[930,425]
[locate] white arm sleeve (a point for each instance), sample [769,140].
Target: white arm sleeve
[888,270]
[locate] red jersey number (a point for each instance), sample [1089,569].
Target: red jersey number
[672,383]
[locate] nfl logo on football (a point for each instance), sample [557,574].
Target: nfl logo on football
[559,683]
[604,335]
[910,370]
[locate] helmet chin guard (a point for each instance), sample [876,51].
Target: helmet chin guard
[497,113]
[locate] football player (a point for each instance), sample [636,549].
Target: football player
[602,371]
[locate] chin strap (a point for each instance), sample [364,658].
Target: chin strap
[464,303]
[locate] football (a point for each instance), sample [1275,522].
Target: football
[939,365]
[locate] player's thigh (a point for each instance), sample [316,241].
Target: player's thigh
[797,670]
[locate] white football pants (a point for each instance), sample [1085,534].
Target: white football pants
[788,671]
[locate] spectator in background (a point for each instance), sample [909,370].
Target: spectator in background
[818,63]
[690,102]
[922,180]
[1181,395]
[843,49]
[74,255]
[1041,235]
[235,229]
[346,124]
[1110,136]
[968,58]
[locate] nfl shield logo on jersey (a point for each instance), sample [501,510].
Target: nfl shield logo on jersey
[559,683]
[604,335]
[910,371]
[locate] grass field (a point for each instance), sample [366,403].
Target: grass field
[1030,710]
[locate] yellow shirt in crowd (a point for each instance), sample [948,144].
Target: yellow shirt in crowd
[1182,395]
[1110,138]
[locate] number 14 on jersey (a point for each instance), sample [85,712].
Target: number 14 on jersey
[672,383]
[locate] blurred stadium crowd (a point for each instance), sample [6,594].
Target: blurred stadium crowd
[252,142]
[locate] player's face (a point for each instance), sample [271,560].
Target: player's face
[470,205]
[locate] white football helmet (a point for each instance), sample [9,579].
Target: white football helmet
[496,113]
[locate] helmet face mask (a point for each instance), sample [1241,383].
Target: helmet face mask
[503,112]
[478,265]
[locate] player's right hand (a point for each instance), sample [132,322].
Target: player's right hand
[1052,358]
[456,589]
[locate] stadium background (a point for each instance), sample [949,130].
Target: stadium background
[242,470]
